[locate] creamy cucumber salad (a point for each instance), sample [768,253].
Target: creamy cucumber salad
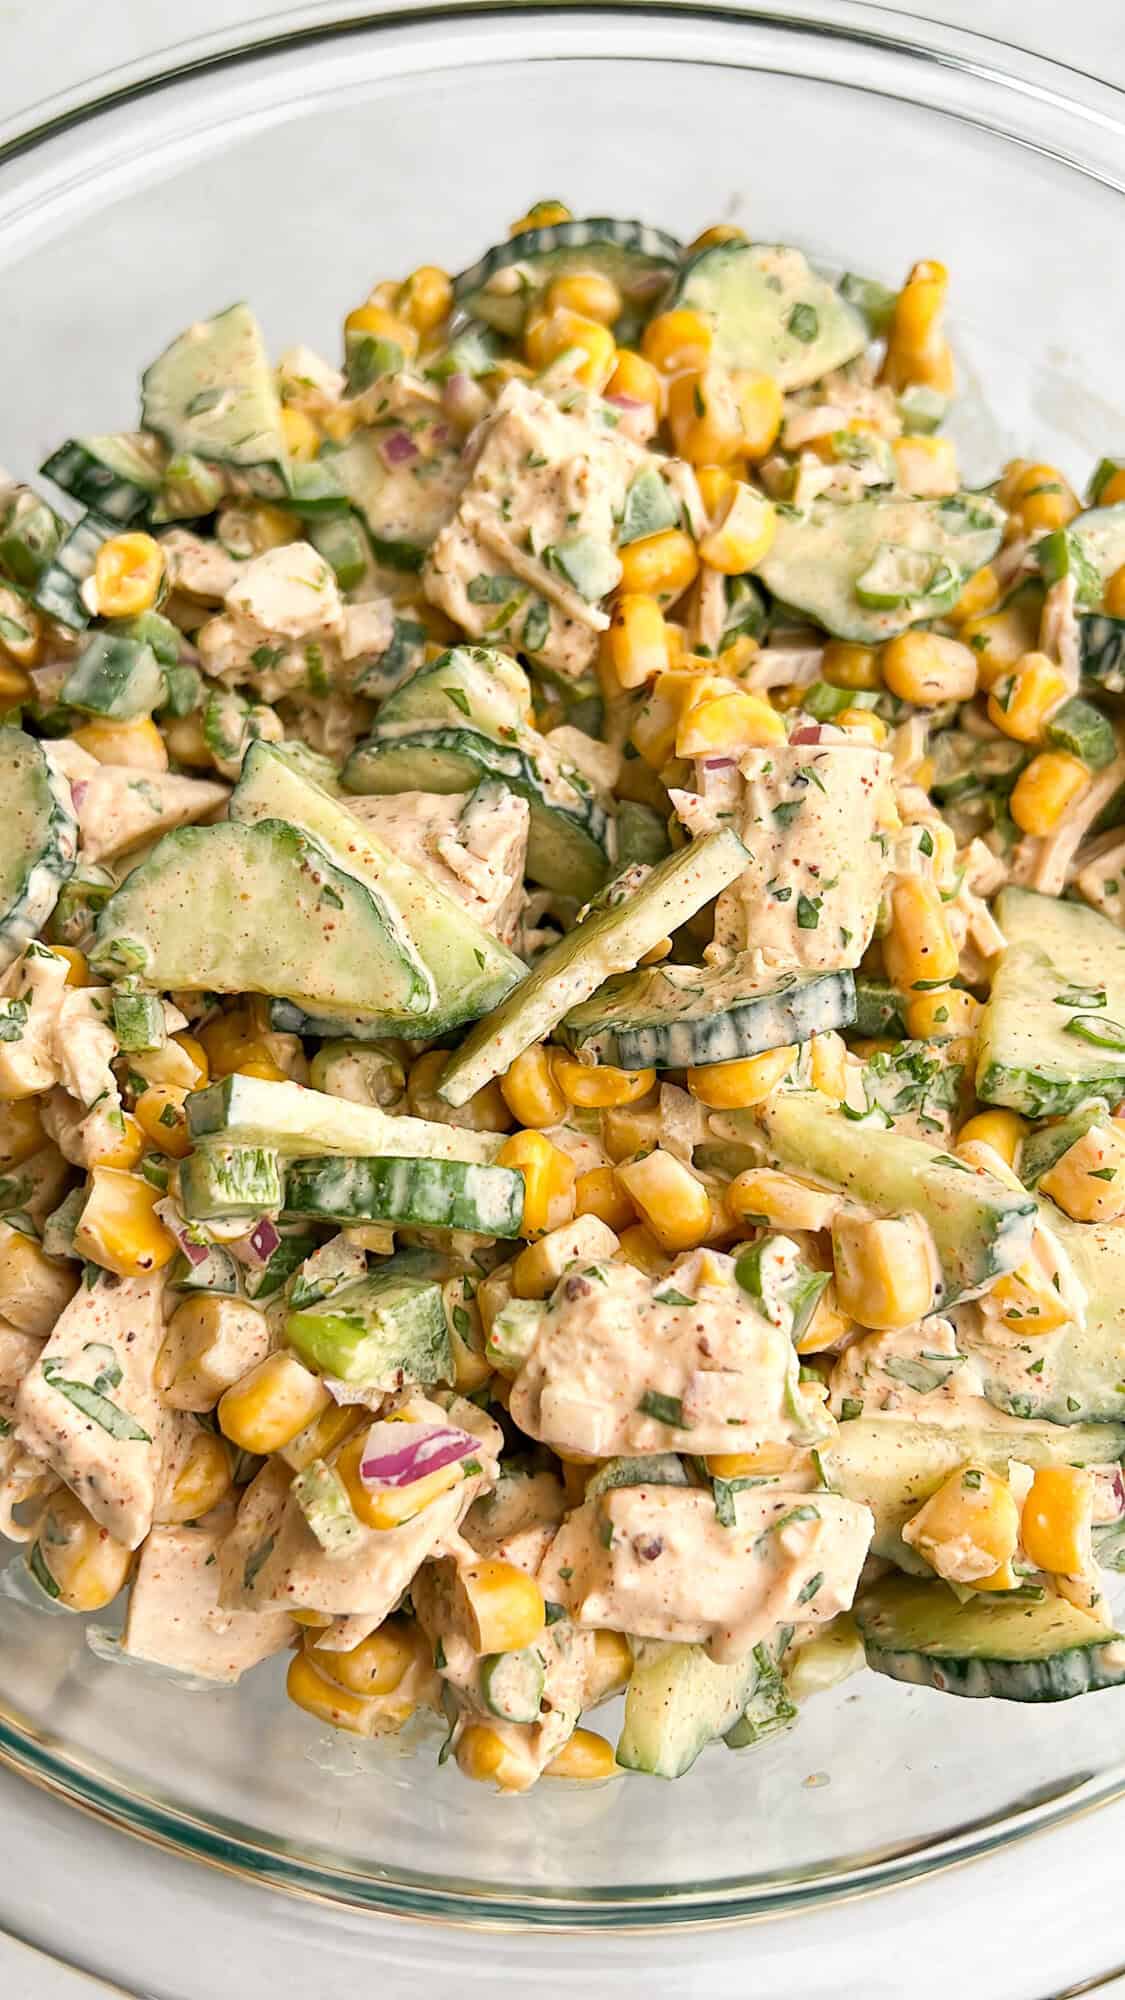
[562,1014]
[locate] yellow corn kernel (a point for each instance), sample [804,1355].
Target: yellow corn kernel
[223,1038]
[828,1328]
[863,722]
[391,1507]
[924,668]
[127,575]
[719,232]
[384,325]
[118,1227]
[493,1294]
[210,1342]
[195,1053]
[968,1531]
[780,1198]
[597,1087]
[317,1621]
[926,466]
[611,1668]
[77,965]
[847,665]
[639,1247]
[828,1055]
[379,1664]
[302,438]
[471,1367]
[15,685]
[884,1269]
[653,728]
[1020,707]
[21,643]
[532,1091]
[541,215]
[704,417]
[636,379]
[678,340]
[732,722]
[325,1432]
[743,535]
[268,1405]
[1042,793]
[1028,1301]
[1088,1182]
[161,1118]
[668,1198]
[1002,1130]
[716,488]
[978,596]
[917,350]
[1041,497]
[735,1086]
[590,293]
[585,1756]
[425,298]
[547,1173]
[483,1755]
[760,407]
[21,1132]
[599,1193]
[185,741]
[86,1564]
[1115,588]
[124,1148]
[326,1699]
[34,1288]
[547,335]
[138,743]
[505,1608]
[1057,1517]
[918,949]
[485,1111]
[662,565]
[637,639]
[939,1015]
[205,1479]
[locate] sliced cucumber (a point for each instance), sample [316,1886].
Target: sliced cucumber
[875,302]
[1074,1376]
[512,1684]
[768,1708]
[29,536]
[403,506]
[679,1700]
[39,844]
[1084,731]
[980,1227]
[606,941]
[115,677]
[678,1016]
[249,1111]
[435,1194]
[215,1271]
[138,1021]
[1041,1150]
[341,540]
[650,507]
[879,1009]
[213,394]
[58,592]
[322,1497]
[642,835]
[469,968]
[822,555]
[219,1182]
[381,1331]
[664,1468]
[567,848]
[1053,1031]
[473,684]
[1101,646]
[189,490]
[118,476]
[1099,535]
[405,654]
[771,312]
[191,916]
[1011,1649]
[503,287]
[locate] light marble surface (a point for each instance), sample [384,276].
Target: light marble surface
[171,1931]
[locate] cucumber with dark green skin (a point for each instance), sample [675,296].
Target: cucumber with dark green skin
[436,1194]
[1042,1150]
[271,1278]
[402,506]
[640,260]
[216,1271]
[679,1017]
[39,843]
[980,1227]
[116,677]
[114,475]
[219,1182]
[1053,1030]
[138,1021]
[511,1684]
[381,1331]
[679,1700]
[1101,647]
[58,592]
[642,835]
[213,394]
[771,312]
[1099,535]
[568,843]
[474,684]
[340,539]
[664,1468]
[879,1009]
[1007,1648]
[30,533]
[1082,730]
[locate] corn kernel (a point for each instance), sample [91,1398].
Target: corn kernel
[590,293]
[639,1247]
[210,1343]
[123,1148]
[926,669]
[1028,1301]
[743,536]
[978,596]
[1042,792]
[662,565]
[829,1064]
[846,665]
[541,215]
[137,744]
[761,407]
[1041,497]
[302,438]
[585,1756]
[118,1227]
[597,1087]
[917,351]
[735,1086]
[653,729]
[939,1015]
[704,417]
[547,1172]
[384,325]
[21,1132]
[128,571]
[716,489]
[1002,1130]
[668,1198]
[547,335]
[86,1564]
[719,232]
[678,340]
[161,1118]
[504,1606]
[1088,1182]
[34,1288]
[637,639]
[78,972]
[483,1755]
[16,686]
[926,466]
[327,1700]
[612,1665]
[918,949]
[968,1531]
[1021,706]
[635,378]
[204,1479]
[1056,1520]
[268,1405]
[1115,591]
[426,297]
[379,1664]
[884,1269]
[320,1438]
[781,1199]
[599,1193]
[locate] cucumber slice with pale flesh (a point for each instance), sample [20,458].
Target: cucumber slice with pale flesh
[512,1684]
[58,592]
[472,684]
[1075,1375]
[118,476]
[219,1182]
[423,1193]
[300,1123]
[679,1700]
[678,1016]
[402,506]
[771,312]
[116,677]
[1053,1030]
[606,941]
[1101,648]
[39,841]
[381,1331]
[507,282]
[213,394]
[1009,1648]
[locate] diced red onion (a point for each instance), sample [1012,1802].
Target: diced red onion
[809,732]
[184,1232]
[626,402]
[439,434]
[264,1240]
[396,1455]
[78,793]
[398,448]
[717,763]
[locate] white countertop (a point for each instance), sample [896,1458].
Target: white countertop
[1030,1924]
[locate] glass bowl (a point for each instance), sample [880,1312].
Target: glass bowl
[295,174]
